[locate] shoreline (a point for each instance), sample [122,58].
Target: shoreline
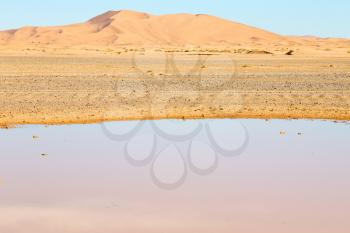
[101,121]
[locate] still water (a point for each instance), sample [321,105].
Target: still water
[176,176]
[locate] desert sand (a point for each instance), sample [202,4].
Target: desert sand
[126,65]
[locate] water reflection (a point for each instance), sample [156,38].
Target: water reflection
[174,146]
[88,181]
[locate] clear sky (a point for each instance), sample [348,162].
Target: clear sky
[298,17]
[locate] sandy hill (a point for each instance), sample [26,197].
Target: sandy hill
[135,28]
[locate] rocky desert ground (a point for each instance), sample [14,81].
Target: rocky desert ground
[157,84]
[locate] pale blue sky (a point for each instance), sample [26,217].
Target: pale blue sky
[299,17]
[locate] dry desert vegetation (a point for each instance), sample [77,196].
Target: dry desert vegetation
[129,65]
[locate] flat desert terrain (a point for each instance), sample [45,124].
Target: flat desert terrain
[153,84]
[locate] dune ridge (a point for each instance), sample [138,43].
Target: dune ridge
[126,27]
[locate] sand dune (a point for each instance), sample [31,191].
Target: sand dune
[134,28]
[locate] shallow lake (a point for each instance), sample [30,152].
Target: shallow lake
[176,176]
